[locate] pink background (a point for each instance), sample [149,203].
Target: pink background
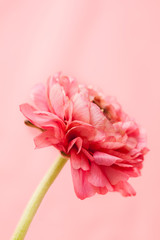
[111,44]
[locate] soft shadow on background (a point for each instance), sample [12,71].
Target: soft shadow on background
[114,45]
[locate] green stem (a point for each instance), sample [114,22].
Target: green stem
[37,198]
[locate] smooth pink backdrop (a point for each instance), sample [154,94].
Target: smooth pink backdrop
[111,44]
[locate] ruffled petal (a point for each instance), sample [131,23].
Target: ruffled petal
[142,139]
[57,99]
[131,143]
[79,161]
[84,162]
[69,85]
[73,88]
[45,139]
[87,154]
[81,108]
[64,82]
[125,189]
[115,176]
[82,187]
[85,131]
[28,111]
[105,159]
[39,97]
[98,120]
[96,177]
[40,118]
[78,142]
[47,119]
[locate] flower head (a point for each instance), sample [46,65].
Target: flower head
[106,146]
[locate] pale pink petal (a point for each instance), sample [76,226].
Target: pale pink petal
[28,111]
[40,118]
[82,187]
[142,139]
[81,108]
[39,97]
[73,88]
[96,177]
[105,159]
[57,99]
[50,82]
[48,118]
[65,83]
[131,143]
[125,189]
[115,175]
[69,85]
[98,119]
[79,161]
[113,101]
[129,126]
[45,139]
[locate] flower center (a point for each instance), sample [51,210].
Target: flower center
[108,110]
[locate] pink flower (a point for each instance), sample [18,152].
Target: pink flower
[106,147]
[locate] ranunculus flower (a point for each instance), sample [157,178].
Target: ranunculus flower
[106,146]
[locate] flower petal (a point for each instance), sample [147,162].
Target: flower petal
[142,139]
[49,119]
[96,177]
[98,119]
[101,190]
[64,82]
[45,139]
[68,111]
[69,84]
[112,145]
[57,99]
[85,131]
[105,159]
[125,189]
[28,111]
[131,143]
[115,176]
[82,187]
[84,162]
[87,154]
[80,108]
[38,95]
[78,142]
[41,118]
[79,161]
[73,88]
